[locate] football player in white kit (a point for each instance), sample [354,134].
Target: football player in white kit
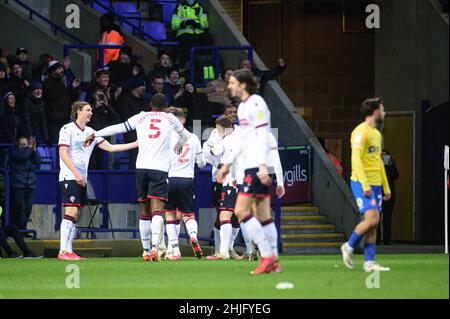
[74,156]
[181,199]
[229,190]
[154,133]
[254,122]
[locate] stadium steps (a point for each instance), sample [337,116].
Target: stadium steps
[305,231]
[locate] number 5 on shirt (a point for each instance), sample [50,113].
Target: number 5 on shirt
[155,128]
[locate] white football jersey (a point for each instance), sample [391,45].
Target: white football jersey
[154,133]
[183,165]
[73,137]
[253,114]
[229,144]
[208,146]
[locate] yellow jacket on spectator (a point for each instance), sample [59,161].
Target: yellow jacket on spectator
[185,12]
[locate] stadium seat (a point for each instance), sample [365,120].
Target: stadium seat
[158,31]
[124,7]
[134,19]
[168,11]
[106,3]
[47,160]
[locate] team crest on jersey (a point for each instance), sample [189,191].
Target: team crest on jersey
[228,191]
[66,185]
[245,189]
[72,198]
[373,202]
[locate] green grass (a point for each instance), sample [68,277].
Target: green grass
[412,276]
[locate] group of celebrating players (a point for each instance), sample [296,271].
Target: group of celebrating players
[245,162]
[244,157]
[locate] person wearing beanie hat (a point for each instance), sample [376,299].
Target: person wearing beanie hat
[59,94]
[173,86]
[34,114]
[22,59]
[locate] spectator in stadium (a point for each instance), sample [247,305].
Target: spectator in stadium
[10,126]
[157,86]
[173,87]
[161,67]
[111,34]
[123,69]
[4,54]
[263,76]
[4,81]
[35,114]
[40,69]
[103,85]
[388,207]
[217,90]
[24,160]
[58,96]
[18,83]
[333,159]
[194,103]
[100,98]
[22,59]
[190,22]
[131,104]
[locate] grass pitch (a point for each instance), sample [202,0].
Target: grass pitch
[412,276]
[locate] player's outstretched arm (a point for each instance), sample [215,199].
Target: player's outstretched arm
[184,136]
[65,158]
[113,148]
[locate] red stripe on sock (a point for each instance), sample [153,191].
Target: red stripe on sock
[223,222]
[246,219]
[70,218]
[146,217]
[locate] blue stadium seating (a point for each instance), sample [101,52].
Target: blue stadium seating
[156,29]
[124,7]
[99,8]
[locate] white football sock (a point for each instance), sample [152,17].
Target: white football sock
[272,236]
[73,234]
[256,234]
[174,246]
[247,240]
[145,229]
[157,223]
[162,239]
[226,232]
[192,227]
[234,233]
[216,240]
[65,230]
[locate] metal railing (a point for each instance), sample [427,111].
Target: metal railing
[54,27]
[100,47]
[217,66]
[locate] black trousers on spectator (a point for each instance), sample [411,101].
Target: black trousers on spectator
[187,41]
[388,208]
[12,231]
[53,129]
[22,203]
